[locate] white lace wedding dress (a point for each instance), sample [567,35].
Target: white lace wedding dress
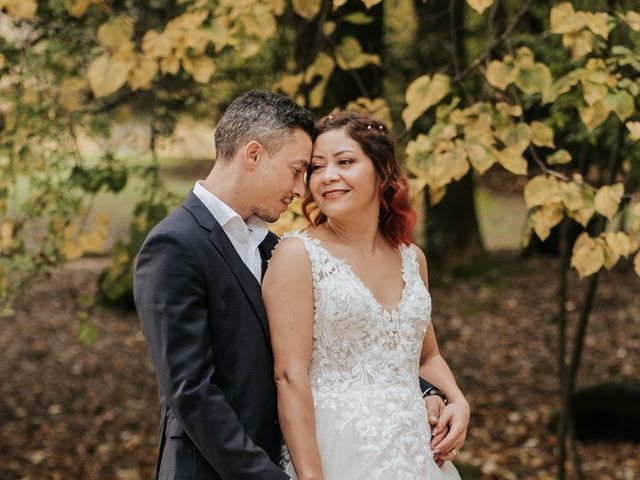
[370,416]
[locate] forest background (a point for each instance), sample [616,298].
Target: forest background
[517,122]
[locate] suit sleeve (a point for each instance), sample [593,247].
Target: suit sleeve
[170,298]
[425,386]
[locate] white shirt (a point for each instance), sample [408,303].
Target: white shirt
[245,237]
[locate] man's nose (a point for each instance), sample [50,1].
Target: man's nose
[299,187]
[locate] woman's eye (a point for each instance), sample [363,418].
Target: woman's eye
[316,167]
[345,161]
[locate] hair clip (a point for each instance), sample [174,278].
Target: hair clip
[368,127]
[380,127]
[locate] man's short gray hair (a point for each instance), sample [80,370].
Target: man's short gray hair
[266,117]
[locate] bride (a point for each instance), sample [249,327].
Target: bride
[350,319]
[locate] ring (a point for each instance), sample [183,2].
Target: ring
[455,452]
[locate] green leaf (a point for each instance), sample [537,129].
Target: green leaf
[559,158]
[535,79]
[349,55]
[358,18]
[621,103]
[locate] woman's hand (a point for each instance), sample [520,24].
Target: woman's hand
[455,417]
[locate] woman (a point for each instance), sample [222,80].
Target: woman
[349,315]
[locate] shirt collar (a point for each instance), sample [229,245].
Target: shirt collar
[228,218]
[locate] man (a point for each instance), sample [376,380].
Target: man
[197,292]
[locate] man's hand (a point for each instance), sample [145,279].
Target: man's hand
[435,406]
[455,417]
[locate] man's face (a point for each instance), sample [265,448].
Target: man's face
[282,176]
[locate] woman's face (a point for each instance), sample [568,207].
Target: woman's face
[343,180]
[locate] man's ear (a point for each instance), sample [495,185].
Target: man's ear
[251,154]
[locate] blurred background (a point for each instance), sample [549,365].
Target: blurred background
[517,121]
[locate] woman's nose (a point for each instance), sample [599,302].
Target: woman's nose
[330,174]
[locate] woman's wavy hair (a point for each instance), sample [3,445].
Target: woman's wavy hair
[397,215]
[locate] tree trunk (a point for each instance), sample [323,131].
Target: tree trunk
[452,224]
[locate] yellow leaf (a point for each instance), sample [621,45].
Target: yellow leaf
[571,194]
[71,250]
[564,19]
[594,93]
[72,93]
[21,9]
[633,20]
[587,256]
[608,199]
[141,76]
[106,75]
[436,195]
[535,79]
[564,83]
[636,263]
[479,156]
[542,135]
[424,92]
[621,103]
[307,8]
[578,201]
[170,65]
[323,67]
[580,43]
[509,110]
[541,190]
[512,160]
[289,84]
[499,74]
[329,28]
[115,32]
[634,130]
[377,107]
[619,242]
[200,68]
[560,157]
[545,218]
[349,55]
[593,116]
[598,23]
[479,130]
[6,236]
[370,3]
[445,167]
[516,137]
[79,7]
[480,5]
[156,45]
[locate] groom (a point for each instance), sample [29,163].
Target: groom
[197,292]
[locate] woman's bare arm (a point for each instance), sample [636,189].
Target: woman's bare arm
[288,297]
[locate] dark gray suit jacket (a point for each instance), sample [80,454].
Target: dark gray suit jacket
[206,328]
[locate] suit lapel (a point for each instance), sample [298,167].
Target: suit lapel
[266,247]
[221,242]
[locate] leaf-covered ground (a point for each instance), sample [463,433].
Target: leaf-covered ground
[73,412]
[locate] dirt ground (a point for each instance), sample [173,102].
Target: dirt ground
[70,411]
